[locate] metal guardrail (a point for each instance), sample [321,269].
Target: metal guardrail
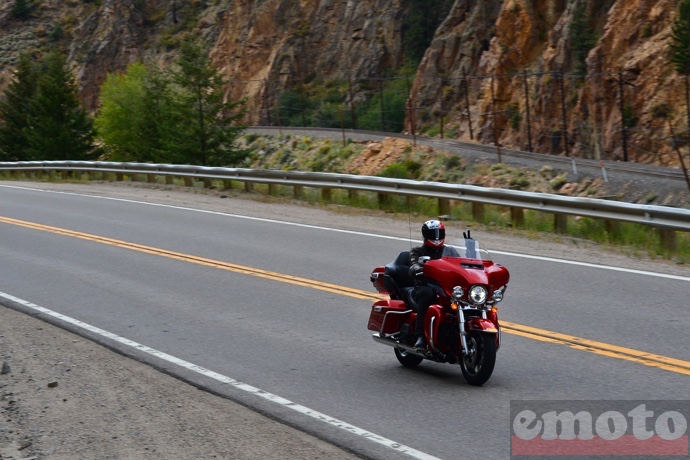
[666,219]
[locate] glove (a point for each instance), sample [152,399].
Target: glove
[417,270]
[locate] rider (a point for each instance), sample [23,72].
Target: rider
[434,233]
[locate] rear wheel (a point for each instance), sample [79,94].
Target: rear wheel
[478,363]
[406,358]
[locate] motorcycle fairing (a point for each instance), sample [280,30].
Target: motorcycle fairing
[445,272]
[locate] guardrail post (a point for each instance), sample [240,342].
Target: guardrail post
[383,199]
[169,179]
[613,229]
[444,206]
[517,217]
[560,223]
[188,181]
[248,186]
[298,192]
[227,184]
[411,201]
[326,194]
[208,183]
[667,238]
[478,211]
[352,195]
[64,174]
[119,176]
[150,178]
[273,189]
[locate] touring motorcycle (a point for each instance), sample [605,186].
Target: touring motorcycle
[461,326]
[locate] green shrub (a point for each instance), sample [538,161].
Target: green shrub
[396,171]
[558,182]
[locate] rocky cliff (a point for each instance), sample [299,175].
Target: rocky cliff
[577,77]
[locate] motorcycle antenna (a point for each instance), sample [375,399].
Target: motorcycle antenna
[409,221]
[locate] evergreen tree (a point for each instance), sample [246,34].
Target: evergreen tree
[420,25]
[582,36]
[680,39]
[680,56]
[15,111]
[209,126]
[21,9]
[59,128]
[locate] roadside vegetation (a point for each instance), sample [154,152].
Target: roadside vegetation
[173,115]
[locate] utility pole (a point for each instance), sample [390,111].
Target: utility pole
[529,124]
[565,120]
[467,101]
[624,122]
[493,118]
[680,155]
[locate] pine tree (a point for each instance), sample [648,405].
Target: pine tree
[680,39]
[210,126]
[59,128]
[680,57]
[21,9]
[15,111]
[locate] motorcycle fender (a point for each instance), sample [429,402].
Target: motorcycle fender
[481,325]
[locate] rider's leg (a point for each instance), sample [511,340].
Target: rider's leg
[424,296]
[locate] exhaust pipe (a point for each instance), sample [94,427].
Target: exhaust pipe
[393,343]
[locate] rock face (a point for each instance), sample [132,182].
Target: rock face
[578,77]
[529,47]
[265,46]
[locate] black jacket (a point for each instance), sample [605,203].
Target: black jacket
[420,251]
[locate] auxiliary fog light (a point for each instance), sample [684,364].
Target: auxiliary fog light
[498,294]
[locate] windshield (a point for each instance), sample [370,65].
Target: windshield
[466,248]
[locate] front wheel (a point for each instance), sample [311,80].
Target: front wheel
[407,359]
[478,363]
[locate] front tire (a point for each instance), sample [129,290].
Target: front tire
[478,363]
[407,359]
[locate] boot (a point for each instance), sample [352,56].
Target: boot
[421,341]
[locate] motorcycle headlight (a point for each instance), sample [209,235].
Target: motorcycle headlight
[458,292]
[478,295]
[498,294]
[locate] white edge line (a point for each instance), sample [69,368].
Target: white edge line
[352,232]
[400,448]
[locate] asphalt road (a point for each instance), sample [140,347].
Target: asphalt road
[310,346]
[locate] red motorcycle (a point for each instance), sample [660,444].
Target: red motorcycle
[461,326]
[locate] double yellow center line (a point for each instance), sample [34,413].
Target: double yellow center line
[579,343]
